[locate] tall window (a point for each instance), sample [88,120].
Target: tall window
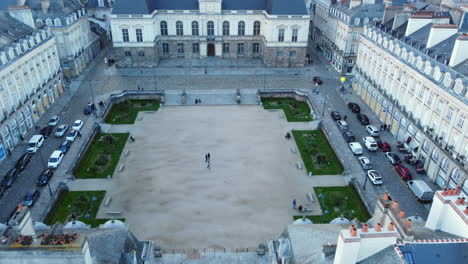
[180,48]
[194,28]
[294,35]
[461,121]
[179,28]
[165,48]
[125,35]
[139,35]
[225,28]
[196,48]
[210,28]
[281,35]
[256,29]
[241,28]
[225,47]
[163,26]
[240,48]
[256,48]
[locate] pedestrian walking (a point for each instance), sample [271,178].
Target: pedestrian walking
[300,208]
[344,117]
[132,138]
[138,87]
[209,165]
[294,204]
[208,156]
[79,134]
[199,101]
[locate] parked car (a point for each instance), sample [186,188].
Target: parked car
[23,161]
[348,136]
[55,120]
[421,190]
[365,163]
[77,125]
[354,107]
[374,177]
[46,131]
[30,197]
[372,130]
[342,125]
[335,115]
[404,173]
[356,148]
[61,130]
[35,143]
[385,147]
[393,158]
[65,146]
[363,119]
[55,159]
[71,136]
[88,109]
[9,178]
[370,143]
[317,79]
[44,177]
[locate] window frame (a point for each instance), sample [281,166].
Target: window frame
[179,28]
[281,32]
[195,28]
[257,28]
[226,28]
[241,28]
[139,34]
[163,28]
[294,36]
[125,35]
[240,49]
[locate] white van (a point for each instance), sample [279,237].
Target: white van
[356,148]
[370,143]
[421,190]
[55,159]
[35,143]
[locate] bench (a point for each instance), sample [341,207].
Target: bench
[108,200]
[299,165]
[113,212]
[310,196]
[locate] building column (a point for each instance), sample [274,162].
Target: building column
[218,49]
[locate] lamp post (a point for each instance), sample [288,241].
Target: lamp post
[92,98]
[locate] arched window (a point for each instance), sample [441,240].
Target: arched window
[163,25]
[179,28]
[241,28]
[194,28]
[48,22]
[57,22]
[210,28]
[225,28]
[445,164]
[256,28]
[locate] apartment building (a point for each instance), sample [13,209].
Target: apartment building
[30,78]
[412,71]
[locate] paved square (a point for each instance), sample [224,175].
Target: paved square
[167,194]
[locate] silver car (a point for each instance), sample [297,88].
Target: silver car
[61,130]
[374,177]
[365,163]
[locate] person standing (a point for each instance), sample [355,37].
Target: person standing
[294,204]
[209,165]
[300,208]
[208,157]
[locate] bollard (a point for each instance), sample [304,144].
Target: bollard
[310,173]
[109,177]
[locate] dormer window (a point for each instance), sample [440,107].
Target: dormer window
[57,22]
[420,64]
[366,20]
[48,22]
[437,74]
[458,88]
[357,21]
[447,80]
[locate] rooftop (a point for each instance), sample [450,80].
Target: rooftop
[57,8]
[274,7]
[11,30]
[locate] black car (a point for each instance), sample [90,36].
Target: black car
[335,115]
[65,146]
[349,136]
[46,131]
[317,79]
[393,158]
[354,107]
[44,177]
[30,197]
[9,178]
[23,161]
[363,119]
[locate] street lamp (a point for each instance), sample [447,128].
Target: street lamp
[92,98]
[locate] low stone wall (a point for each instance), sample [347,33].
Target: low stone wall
[294,94]
[125,95]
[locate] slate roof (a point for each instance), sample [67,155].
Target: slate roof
[420,253]
[94,4]
[11,29]
[274,7]
[362,11]
[57,8]
[387,255]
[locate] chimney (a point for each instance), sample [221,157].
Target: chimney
[400,19]
[417,21]
[390,12]
[20,2]
[101,3]
[354,3]
[355,245]
[22,222]
[459,53]
[440,32]
[45,6]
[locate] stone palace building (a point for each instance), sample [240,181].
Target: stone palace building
[145,31]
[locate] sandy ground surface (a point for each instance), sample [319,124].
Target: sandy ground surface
[167,194]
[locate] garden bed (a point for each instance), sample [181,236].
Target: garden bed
[125,112]
[295,111]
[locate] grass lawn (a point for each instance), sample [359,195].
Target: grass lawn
[102,156]
[126,111]
[79,204]
[294,110]
[317,154]
[339,201]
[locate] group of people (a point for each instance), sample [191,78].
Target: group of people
[197,101]
[300,208]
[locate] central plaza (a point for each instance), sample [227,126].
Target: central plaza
[167,194]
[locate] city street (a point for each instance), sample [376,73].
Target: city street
[106,80]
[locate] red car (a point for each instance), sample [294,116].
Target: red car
[404,173]
[385,147]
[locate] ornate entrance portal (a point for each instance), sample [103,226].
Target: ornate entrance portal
[210,50]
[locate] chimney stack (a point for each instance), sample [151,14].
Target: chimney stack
[447,213]
[101,3]
[20,2]
[45,6]
[459,55]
